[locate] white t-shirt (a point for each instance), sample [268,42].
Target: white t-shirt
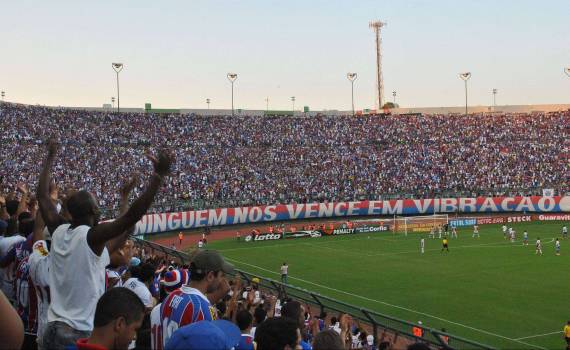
[200,244]
[76,277]
[39,264]
[8,274]
[155,328]
[284,269]
[140,289]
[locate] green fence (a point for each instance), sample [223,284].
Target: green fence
[376,321]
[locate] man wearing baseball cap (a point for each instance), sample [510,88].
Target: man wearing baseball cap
[189,304]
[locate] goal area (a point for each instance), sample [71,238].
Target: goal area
[419,224]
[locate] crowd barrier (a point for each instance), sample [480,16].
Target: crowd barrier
[164,222]
[379,323]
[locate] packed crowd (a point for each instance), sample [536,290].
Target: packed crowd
[72,282]
[259,161]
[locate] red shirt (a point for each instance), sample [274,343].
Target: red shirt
[82,345]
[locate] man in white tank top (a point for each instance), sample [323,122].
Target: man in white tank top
[80,251]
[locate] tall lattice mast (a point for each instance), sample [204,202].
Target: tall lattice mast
[376,26]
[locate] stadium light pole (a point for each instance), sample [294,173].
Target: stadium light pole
[465,76]
[2,94]
[118,67]
[352,77]
[293,101]
[394,94]
[267,104]
[232,78]
[494,99]
[208,102]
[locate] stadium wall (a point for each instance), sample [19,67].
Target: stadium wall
[164,222]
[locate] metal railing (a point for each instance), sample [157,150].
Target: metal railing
[376,321]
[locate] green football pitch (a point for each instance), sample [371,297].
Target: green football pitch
[485,289]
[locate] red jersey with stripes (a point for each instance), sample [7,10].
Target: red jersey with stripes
[183,307]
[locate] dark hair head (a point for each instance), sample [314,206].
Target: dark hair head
[328,340]
[12,207]
[244,319]
[259,314]
[25,223]
[146,272]
[292,310]
[118,302]
[276,334]
[82,205]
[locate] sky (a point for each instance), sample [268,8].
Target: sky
[177,53]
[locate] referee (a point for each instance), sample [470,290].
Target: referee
[445,245]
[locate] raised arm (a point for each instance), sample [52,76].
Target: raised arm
[47,208]
[23,205]
[118,242]
[100,234]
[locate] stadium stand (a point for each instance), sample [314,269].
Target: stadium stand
[239,161]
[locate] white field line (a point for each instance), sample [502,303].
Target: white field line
[393,305]
[539,335]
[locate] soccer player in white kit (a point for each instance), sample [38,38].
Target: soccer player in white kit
[454,232]
[525,238]
[476,231]
[432,232]
[557,246]
[538,246]
[422,245]
[505,231]
[564,232]
[440,230]
[513,235]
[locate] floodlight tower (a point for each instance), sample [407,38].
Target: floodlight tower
[232,78]
[465,76]
[352,77]
[376,27]
[293,101]
[118,67]
[2,94]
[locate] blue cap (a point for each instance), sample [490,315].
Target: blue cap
[135,261]
[219,335]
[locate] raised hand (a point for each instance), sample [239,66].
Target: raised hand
[22,188]
[163,162]
[129,185]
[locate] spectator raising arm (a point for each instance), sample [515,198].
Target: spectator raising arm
[47,208]
[100,234]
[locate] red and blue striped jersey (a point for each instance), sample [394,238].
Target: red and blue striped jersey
[182,307]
